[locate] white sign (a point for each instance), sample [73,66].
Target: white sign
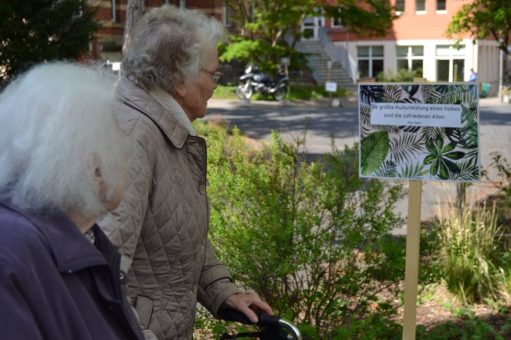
[432,115]
[116,66]
[422,131]
[331,86]
[285,61]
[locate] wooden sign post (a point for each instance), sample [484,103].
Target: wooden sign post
[418,131]
[412,258]
[413,234]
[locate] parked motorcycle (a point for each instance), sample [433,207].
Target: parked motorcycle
[253,80]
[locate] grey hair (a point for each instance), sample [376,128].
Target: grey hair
[168,46]
[56,126]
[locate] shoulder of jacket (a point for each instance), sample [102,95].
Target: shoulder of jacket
[21,240]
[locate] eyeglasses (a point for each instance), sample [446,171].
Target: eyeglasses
[217,75]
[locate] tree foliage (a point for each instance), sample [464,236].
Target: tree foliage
[262,27]
[271,28]
[39,30]
[484,19]
[365,18]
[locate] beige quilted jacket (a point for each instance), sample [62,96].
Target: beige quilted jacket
[161,225]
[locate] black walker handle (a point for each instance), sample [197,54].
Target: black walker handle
[270,322]
[229,314]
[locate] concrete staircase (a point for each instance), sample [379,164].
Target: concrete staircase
[318,60]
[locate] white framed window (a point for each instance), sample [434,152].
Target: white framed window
[420,7]
[441,6]
[336,22]
[226,15]
[450,63]
[410,58]
[311,26]
[400,7]
[369,61]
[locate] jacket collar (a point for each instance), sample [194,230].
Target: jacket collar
[134,96]
[71,250]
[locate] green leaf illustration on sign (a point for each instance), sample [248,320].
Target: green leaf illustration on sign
[374,149]
[440,158]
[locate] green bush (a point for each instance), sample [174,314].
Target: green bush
[373,327]
[503,183]
[503,203]
[225,92]
[471,328]
[470,255]
[402,76]
[311,238]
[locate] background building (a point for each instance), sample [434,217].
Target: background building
[416,42]
[107,42]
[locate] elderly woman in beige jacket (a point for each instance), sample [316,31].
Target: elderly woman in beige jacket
[170,70]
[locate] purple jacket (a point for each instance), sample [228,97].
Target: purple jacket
[55,284]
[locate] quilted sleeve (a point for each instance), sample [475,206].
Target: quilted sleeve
[215,284]
[124,224]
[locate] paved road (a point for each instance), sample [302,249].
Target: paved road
[322,122]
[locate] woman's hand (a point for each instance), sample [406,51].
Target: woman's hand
[249,304]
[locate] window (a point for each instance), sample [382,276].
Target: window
[411,59]
[370,61]
[441,6]
[336,21]
[227,14]
[400,7]
[450,63]
[311,26]
[420,6]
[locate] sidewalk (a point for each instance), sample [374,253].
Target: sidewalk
[492,101]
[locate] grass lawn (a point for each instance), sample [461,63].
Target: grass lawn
[225,92]
[297,92]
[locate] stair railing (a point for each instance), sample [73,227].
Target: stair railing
[337,53]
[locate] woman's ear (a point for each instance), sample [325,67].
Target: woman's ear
[181,90]
[99,181]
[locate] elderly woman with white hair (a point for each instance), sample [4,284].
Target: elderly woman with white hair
[64,165]
[169,71]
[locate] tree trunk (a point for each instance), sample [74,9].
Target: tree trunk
[134,11]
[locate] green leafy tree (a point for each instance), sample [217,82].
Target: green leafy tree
[483,19]
[268,29]
[365,18]
[38,30]
[262,27]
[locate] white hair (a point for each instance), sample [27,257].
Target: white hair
[56,126]
[169,46]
